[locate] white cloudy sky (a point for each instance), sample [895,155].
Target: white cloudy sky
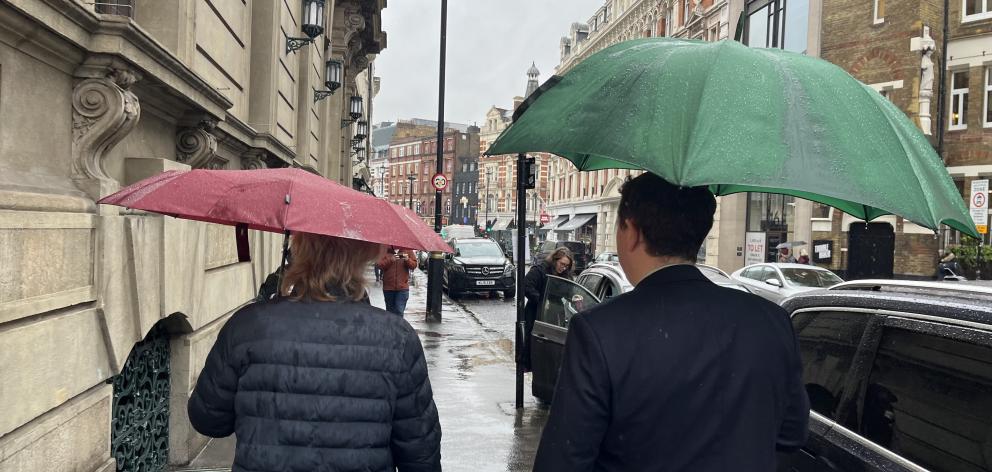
[491,44]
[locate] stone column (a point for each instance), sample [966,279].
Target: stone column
[104,111]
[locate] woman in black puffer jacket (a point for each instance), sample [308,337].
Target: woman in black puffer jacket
[560,264]
[318,380]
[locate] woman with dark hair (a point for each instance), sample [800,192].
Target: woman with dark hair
[317,380]
[559,263]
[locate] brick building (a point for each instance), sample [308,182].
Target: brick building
[412,163]
[897,47]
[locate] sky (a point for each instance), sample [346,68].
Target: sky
[491,44]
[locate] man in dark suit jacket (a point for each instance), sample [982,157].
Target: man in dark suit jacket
[679,374]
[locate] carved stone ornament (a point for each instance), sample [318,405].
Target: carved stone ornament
[254,160]
[103,113]
[197,147]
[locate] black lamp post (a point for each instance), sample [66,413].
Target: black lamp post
[489,173]
[332,80]
[354,110]
[411,178]
[313,25]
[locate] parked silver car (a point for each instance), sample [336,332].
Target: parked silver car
[776,282]
[606,279]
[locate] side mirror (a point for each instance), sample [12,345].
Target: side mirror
[448,256]
[774,282]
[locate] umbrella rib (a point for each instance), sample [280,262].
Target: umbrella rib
[695,117]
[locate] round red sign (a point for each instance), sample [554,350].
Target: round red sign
[440,182]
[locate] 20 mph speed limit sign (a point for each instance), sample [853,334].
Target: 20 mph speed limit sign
[440,182]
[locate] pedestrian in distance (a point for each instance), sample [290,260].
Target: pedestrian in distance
[785,256]
[559,263]
[679,374]
[318,380]
[396,266]
[803,257]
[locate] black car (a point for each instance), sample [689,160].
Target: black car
[478,265]
[899,376]
[579,249]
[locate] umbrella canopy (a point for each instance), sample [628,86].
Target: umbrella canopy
[278,200]
[740,119]
[790,244]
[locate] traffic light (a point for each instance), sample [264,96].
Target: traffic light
[531,180]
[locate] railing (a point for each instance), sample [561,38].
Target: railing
[115,7]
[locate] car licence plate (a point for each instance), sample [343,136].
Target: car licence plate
[485,282]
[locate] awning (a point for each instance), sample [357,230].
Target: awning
[577,222]
[555,222]
[501,223]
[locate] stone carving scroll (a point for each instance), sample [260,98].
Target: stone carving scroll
[197,147]
[254,160]
[104,111]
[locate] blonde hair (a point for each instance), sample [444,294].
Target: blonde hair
[323,262]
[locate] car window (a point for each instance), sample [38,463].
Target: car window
[828,342]
[929,399]
[590,282]
[548,247]
[751,273]
[714,276]
[811,277]
[576,248]
[479,249]
[611,289]
[564,299]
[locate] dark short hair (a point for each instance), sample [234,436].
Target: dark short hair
[674,220]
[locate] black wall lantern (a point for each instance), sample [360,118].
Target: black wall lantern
[354,110]
[313,25]
[332,80]
[361,129]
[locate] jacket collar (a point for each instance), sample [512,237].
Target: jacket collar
[674,273]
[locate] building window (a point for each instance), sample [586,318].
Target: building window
[879,11]
[975,10]
[821,211]
[959,101]
[988,97]
[686,11]
[782,24]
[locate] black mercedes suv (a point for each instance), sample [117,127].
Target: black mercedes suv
[899,377]
[478,265]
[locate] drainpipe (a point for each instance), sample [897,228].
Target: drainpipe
[942,87]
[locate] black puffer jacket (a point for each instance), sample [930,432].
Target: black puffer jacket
[319,386]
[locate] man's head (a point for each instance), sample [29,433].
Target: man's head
[661,221]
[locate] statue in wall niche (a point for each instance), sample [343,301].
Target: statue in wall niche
[927,46]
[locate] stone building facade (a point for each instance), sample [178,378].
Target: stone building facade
[107,314]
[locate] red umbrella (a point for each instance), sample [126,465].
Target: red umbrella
[278,200]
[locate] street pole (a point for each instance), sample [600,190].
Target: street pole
[410,178]
[434,265]
[488,174]
[521,228]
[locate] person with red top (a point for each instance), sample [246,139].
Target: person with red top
[396,266]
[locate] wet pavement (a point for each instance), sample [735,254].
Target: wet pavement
[470,360]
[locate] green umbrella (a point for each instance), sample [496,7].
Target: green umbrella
[740,119]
